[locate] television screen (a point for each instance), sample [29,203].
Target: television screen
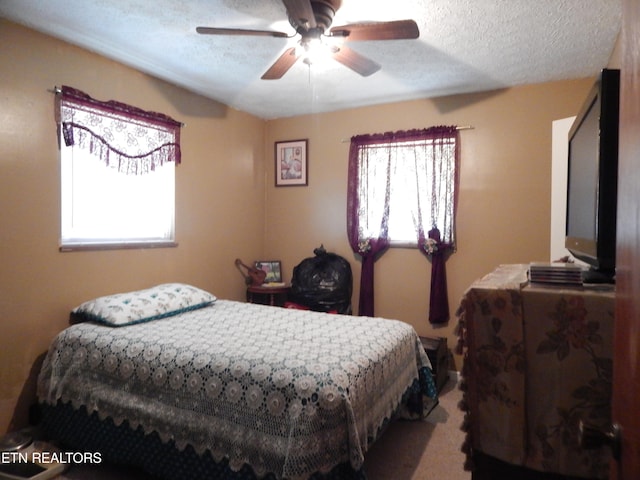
[593,180]
[582,196]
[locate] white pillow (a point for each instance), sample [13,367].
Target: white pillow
[140,306]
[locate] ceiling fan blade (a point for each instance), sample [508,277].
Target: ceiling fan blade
[395,30]
[282,65]
[356,62]
[301,11]
[239,31]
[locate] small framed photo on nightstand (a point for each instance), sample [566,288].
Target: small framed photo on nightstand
[273,269]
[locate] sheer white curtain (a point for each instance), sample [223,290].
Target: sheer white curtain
[402,190]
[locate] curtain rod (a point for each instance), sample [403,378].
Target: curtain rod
[462,127]
[57,90]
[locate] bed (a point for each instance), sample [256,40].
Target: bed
[186,385]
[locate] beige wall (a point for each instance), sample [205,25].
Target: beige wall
[219,192]
[505,190]
[227,205]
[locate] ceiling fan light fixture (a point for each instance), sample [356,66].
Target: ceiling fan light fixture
[314,51]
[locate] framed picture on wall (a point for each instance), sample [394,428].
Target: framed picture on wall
[273,269]
[291,163]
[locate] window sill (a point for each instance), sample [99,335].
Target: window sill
[400,244]
[80,247]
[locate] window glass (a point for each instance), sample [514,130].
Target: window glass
[102,206]
[419,179]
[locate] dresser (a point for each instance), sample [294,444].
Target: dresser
[537,361]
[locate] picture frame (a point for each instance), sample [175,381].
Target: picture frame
[273,269]
[291,162]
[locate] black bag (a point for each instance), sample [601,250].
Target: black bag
[323,283]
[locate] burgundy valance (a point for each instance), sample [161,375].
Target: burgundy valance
[129,138]
[431,133]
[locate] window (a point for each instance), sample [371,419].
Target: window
[404,185]
[402,191]
[117,174]
[102,206]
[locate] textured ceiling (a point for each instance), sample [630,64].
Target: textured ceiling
[464,46]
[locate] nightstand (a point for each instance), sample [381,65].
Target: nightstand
[268,295]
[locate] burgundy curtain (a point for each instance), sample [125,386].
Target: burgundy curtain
[371,244]
[434,158]
[438,295]
[446,167]
[133,140]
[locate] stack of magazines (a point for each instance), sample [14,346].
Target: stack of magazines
[555,273]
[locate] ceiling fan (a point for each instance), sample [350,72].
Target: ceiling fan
[311,19]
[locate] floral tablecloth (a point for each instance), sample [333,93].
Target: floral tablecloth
[537,360]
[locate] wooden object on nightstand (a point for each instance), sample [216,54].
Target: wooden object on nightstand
[268,295]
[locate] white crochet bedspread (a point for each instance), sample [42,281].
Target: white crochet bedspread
[285,391]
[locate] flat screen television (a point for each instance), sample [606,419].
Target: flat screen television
[592,180]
